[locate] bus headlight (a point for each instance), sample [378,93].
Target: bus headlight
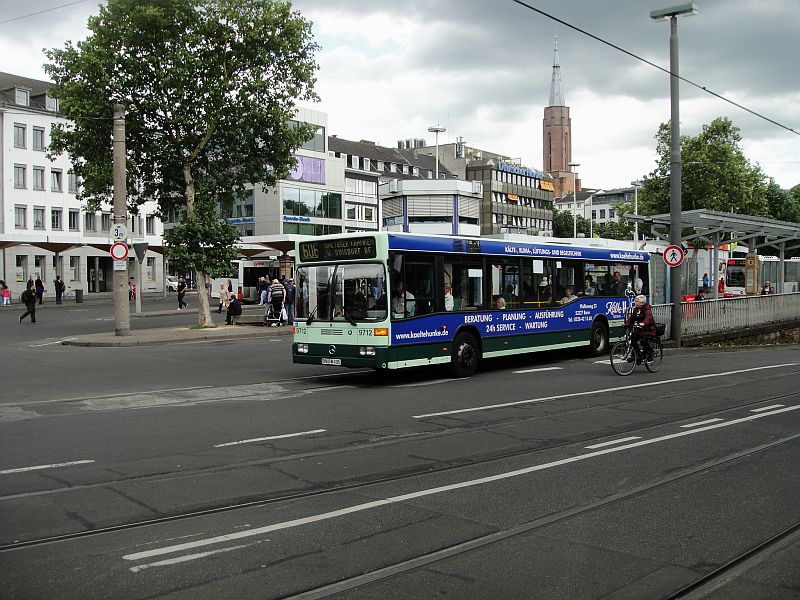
[302,348]
[366,350]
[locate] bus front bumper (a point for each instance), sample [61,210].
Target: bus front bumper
[340,356]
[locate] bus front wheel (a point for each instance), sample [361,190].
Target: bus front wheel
[598,340]
[466,355]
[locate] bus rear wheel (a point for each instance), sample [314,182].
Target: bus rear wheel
[466,355]
[598,339]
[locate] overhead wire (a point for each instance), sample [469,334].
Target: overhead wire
[41,12]
[652,64]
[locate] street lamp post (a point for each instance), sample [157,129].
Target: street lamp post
[572,166]
[437,130]
[636,185]
[675,235]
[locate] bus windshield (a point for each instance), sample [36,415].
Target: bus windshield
[352,292]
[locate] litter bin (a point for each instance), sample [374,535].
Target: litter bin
[79,296]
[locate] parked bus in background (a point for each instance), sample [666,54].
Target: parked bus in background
[394,300]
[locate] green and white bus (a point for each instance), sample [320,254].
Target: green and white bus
[391,300]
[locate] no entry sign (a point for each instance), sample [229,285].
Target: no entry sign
[119,251]
[673,256]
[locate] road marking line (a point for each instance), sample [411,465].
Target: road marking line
[422,383]
[612,442]
[52,466]
[594,392]
[238,535]
[699,423]
[50,343]
[763,408]
[188,557]
[539,369]
[271,437]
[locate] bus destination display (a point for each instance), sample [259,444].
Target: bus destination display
[342,249]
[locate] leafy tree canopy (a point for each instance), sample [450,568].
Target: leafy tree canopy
[209,87]
[715,174]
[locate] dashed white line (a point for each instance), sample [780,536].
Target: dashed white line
[270,437]
[601,391]
[51,466]
[612,442]
[388,501]
[539,369]
[700,423]
[763,408]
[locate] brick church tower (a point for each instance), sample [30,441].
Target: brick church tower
[557,136]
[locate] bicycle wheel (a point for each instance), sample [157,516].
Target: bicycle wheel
[623,358]
[658,355]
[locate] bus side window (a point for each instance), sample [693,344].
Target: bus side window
[419,283]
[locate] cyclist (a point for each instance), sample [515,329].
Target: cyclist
[644,326]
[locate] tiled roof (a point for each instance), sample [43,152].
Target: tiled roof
[374,152]
[37,87]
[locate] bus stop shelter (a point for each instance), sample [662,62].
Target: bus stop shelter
[716,228]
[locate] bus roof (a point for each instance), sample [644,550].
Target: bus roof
[481,245]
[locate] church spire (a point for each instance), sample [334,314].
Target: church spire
[556,91]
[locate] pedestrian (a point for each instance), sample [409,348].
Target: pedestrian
[224,297]
[767,289]
[706,280]
[181,293]
[60,288]
[3,292]
[721,286]
[262,288]
[277,298]
[29,300]
[234,310]
[700,296]
[291,293]
[39,286]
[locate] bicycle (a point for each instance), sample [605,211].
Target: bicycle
[625,355]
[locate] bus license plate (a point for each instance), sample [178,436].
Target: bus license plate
[331,361]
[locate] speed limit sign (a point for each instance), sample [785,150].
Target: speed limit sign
[119,233]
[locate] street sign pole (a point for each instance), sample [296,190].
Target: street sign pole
[122,309]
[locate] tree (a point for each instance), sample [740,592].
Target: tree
[715,174]
[209,87]
[564,224]
[782,204]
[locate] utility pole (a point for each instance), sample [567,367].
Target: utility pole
[122,309]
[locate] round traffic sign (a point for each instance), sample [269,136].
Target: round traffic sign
[119,251]
[674,255]
[119,233]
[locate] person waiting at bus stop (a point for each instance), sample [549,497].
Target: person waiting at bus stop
[644,326]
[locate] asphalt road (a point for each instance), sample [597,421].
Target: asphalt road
[224,471]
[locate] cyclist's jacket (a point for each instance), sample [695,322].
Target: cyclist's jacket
[644,316]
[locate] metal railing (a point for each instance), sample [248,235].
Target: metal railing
[731,314]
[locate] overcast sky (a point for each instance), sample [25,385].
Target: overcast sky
[482,69]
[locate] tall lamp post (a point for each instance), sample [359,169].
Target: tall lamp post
[636,185]
[437,130]
[572,166]
[675,235]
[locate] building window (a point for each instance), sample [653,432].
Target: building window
[38,178]
[38,138]
[105,221]
[150,225]
[594,214]
[72,183]
[21,217]
[55,219]
[317,142]
[38,217]
[610,213]
[20,132]
[89,222]
[56,180]
[21,269]
[150,269]
[75,268]
[351,212]
[602,213]
[51,103]
[369,214]
[22,97]
[74,216]
[20,177]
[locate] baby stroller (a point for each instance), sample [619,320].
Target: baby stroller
[272,316]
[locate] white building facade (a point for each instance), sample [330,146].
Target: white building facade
[44,229]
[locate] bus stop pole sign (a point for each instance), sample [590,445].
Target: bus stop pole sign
[674,255]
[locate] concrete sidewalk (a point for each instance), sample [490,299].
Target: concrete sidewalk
[176,335]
